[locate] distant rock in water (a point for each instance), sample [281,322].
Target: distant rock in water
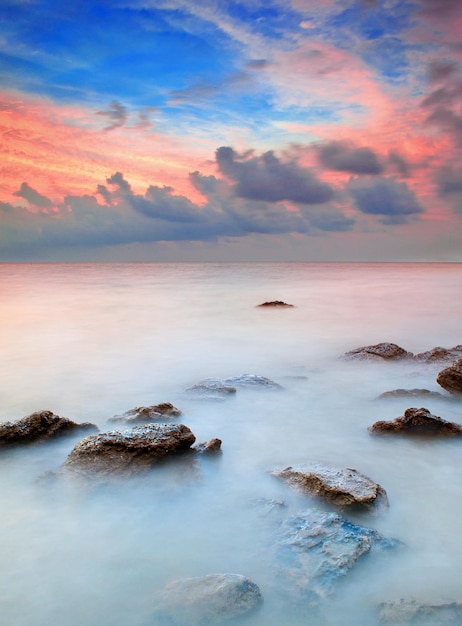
[411,393]
[384,351]
[407,612]
[146,414]
[207,600]
[128,452]
[211,447]
[275,304]
[440,354]
[417,422]
[341,487]
[451,378]
[217,388]
[40,426]
[315,549]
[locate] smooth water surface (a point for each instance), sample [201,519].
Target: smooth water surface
[88,341]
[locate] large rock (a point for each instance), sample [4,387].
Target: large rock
[207,600]
[275,304]
[417,422]
[128,452]
[342,487]
[406,612]
[147,414]
[451,378]
[40,426]
[381,351]
[315,549]
[440,354]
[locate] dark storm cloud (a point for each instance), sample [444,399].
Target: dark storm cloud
[33,197]
[269,179]
[393,202]
[344,157]
[116,113]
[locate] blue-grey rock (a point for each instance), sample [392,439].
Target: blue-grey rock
[407,612]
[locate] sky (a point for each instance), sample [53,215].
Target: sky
[215,130]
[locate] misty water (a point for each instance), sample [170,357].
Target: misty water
[89,341]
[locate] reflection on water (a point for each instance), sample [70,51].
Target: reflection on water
[91,341]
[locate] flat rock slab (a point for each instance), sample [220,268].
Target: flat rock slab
[316,549]
[381,351]
[451,378]
[417,422]
[147,414]
[412,393]
[207,600]
[128,452]
[40,426]
[275,304]
[406,612]
[342,487]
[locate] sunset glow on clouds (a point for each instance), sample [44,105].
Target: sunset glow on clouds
[259,130]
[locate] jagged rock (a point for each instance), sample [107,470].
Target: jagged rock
[315,549]
[405,612]
[342,487]
[440,354]
[40,426]
[275,304]
[128,452]
[385,351]
[451,378]
[213,446]
[207,600]
[147,414]
[417,422]
[411,393]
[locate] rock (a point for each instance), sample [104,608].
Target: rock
[411,393]
[341,487]
[405,612]
[451,378]
[128,452]
[417,422]
[315,549]
[385,351]
[207,600]
[252,380]
[146,414]
[212,389]
[275,304]
[213,446]
[440,354]
[40,426]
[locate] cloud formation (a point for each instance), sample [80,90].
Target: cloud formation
[345,157]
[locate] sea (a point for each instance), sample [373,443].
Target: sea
[90,341]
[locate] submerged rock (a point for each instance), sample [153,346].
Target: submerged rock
[411,393]
[252,380]
[220,388]
[146,414]
[207,600]
[342,487]
[440,354]
[213,446]
[128,452]
[405,612]
[315,549]
[385,351]
[275,304]
[40,426]
[417,422]
[451,378]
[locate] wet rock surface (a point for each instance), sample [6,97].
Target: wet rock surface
[211,447]
[451,378]
[275,304]
[316,549]
[405,612]
[146,414]
[412,393]
[207,600]
[440,354]
[417,422]
[384,351]
[41,426]
[128,452]
[341,487]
